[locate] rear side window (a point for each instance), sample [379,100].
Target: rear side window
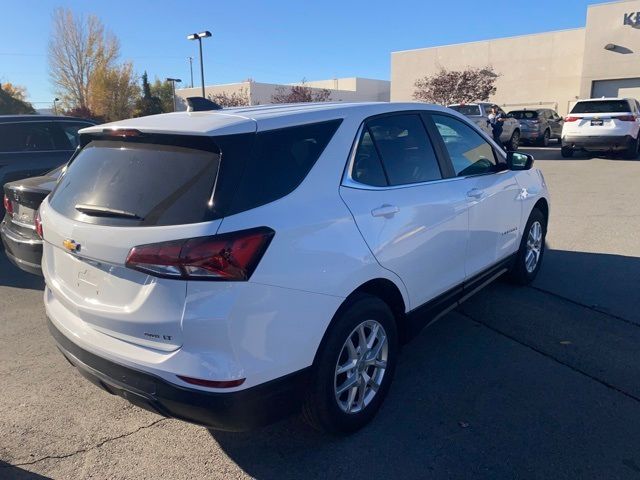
[405,149]
[70,131]
[279,162]
[601,106]
[27,137]
[124,183]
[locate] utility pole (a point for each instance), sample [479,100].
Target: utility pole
[191,69]
[199,37]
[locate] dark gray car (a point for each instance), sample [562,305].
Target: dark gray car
[539,126]
[31,145]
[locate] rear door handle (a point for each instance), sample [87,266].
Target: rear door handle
[475,193]
[385,211]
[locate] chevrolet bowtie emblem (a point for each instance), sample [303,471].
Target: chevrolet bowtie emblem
[70,245]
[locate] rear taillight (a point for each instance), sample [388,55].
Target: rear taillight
[571,119]
[626,118]
[8,205]
[38,224]
[230,256]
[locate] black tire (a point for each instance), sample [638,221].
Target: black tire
[321,408]
[514,141]
[519,273]
[566,152]
[631,153]
[544,141]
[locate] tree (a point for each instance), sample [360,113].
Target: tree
[16,91]
[234,99]
[456,86]
[300,94]
[78,47]
[164,91]
[9,104]
[147,104]
[84,112]
[114,92]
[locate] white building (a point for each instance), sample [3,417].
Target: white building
[352,89]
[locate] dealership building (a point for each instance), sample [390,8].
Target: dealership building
[549,70]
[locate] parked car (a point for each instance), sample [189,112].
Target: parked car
[539,126]
[31,145]
[22,198]
[479,113]
[229,268]
[602,125]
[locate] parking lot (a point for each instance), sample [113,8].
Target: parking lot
[535,382]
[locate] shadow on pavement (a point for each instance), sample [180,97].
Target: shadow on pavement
[609,283]
[8,472]
[553,153]
[469,402]
[12,276]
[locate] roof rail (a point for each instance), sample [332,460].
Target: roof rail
[201,104]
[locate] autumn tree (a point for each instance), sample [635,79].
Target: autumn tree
[456,86]
[114,92]
[300,94]
[233,99]
[10,103]
[16,91]
[163,90]
[77,48]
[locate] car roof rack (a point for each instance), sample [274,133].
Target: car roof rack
[201,104]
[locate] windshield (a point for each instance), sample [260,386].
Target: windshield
[601,106]
[468,110]
[524,114]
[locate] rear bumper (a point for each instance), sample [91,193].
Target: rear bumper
[24,252]
[234,411]
[598,143]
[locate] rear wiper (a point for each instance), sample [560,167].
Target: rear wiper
[97,211]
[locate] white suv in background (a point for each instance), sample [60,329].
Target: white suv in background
[229,267]
[602,125]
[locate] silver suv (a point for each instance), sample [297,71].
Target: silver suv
[479,113]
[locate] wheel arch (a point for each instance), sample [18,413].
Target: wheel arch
[382,288]
[543,205]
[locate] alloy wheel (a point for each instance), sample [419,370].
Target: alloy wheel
[361,366]
[534,247]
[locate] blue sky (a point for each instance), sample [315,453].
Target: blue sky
[276,41]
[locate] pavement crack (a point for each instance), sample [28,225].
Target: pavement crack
[593,308]
[551,357]
[84,450]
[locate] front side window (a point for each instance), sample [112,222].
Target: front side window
[470,153]
[27,137]
[402,145]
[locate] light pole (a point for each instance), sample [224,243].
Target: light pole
[191,69]
[173,89]
[55,109]
[199,37]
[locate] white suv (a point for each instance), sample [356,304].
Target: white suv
[602,125]
[230,267]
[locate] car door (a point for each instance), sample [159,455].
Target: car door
[413,220]
[493,194]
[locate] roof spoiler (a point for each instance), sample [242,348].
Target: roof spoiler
[201,104]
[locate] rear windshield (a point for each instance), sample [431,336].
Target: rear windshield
[524,114]
[468,110]
[117,182]
[165,182]
[601,106]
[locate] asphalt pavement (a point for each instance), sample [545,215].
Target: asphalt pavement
[534,382]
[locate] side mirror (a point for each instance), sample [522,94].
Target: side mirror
[519,161]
